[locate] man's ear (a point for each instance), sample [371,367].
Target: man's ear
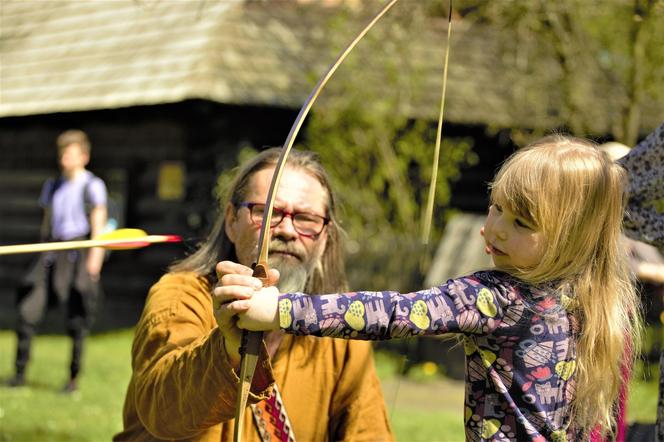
[229,221]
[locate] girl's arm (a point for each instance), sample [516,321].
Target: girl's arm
[464,305]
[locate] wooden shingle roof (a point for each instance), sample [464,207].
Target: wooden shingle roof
[75,55]
[71,55]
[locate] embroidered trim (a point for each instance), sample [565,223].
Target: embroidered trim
[271,419]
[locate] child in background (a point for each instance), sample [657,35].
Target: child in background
[75,208]
[544,333]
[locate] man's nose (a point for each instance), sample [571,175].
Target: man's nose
[285,228]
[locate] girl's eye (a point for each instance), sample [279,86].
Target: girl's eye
[521,224]
[498,207]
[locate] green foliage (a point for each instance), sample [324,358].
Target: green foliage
[602,61]
[380,160]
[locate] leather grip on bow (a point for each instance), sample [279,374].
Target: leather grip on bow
[249,349]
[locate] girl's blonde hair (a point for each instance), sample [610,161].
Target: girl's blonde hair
[575,196]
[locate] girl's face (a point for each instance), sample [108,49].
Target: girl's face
[512,242]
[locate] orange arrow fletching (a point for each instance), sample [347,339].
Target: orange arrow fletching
[137,243]
[127,245]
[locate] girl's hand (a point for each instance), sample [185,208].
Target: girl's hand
[240,293]
[261,311]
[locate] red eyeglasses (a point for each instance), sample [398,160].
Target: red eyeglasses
[304,223]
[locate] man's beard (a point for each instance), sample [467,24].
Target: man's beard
[294,266]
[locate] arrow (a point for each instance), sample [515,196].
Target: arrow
[120,239]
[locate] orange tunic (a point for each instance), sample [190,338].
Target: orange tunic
[183,387]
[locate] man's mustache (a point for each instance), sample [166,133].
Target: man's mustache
[278,246]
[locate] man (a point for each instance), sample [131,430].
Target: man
[74,208]
[185,360]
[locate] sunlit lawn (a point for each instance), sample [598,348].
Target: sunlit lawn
[39,412]
[423,406]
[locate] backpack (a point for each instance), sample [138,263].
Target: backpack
[114,212]
[114,209]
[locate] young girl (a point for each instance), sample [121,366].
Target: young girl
[544,333]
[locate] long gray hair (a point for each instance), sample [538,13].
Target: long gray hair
[328,276]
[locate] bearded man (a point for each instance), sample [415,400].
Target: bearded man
[185,359]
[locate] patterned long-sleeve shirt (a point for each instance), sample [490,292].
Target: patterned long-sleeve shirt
[518,340]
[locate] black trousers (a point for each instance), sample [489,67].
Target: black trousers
[58,278]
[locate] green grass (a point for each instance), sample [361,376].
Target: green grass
[422,406]
[642,399]
[39,412]
[427,426]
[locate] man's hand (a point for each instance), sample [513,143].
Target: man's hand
[232,296]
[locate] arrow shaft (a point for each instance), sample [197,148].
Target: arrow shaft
[81,244]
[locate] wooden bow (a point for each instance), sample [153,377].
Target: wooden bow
[251,341]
